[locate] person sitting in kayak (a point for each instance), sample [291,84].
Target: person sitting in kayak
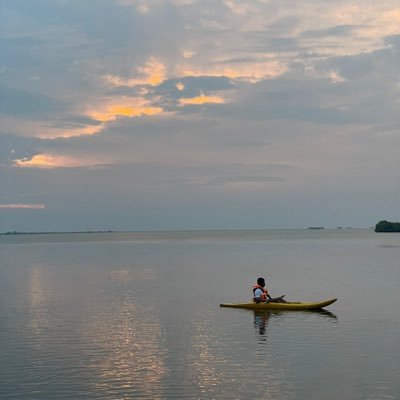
[261,295]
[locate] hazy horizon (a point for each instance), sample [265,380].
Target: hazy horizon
[326,228]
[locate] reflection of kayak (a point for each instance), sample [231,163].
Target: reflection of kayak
[281,306]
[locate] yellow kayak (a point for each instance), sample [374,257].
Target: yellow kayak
[292,306]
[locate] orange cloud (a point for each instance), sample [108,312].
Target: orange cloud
[57,161]
[38,161]
[24,206]
[112,111]
[123,107]
[202,99]
[107,110]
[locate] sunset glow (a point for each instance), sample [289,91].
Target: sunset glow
[48,161]
[150,149]
[202,99]
[110,112]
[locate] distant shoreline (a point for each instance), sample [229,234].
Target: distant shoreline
[16,233]
[21,233]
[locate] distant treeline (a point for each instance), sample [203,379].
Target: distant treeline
[387,226]
[51,233]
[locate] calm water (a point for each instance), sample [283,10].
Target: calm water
[137,316]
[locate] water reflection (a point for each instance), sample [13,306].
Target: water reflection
[128,275]
[260,321]
[272,371]
[263,317]
[38,301]
[324,313]
[125,344]
[207,365]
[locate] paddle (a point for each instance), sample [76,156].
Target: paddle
[279,299]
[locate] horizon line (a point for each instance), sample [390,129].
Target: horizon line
[178,230]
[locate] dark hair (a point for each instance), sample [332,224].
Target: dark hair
[261,281]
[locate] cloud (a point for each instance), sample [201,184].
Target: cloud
[152,73]
[137,129]
[202,99]
[123,107]
[251,71]
[129,61]
[244,182]
[335,31]
[23,206]
[55,161]
[13,147]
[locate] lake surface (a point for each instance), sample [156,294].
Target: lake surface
[137,316]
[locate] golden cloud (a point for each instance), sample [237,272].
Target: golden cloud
[58,161]
[109,112]
[202,99]
[39,161]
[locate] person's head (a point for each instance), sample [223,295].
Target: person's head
[261,282]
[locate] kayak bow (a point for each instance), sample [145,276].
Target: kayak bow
[292,306]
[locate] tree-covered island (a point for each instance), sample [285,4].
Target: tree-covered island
[387,226]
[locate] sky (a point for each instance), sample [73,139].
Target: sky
[198,114]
